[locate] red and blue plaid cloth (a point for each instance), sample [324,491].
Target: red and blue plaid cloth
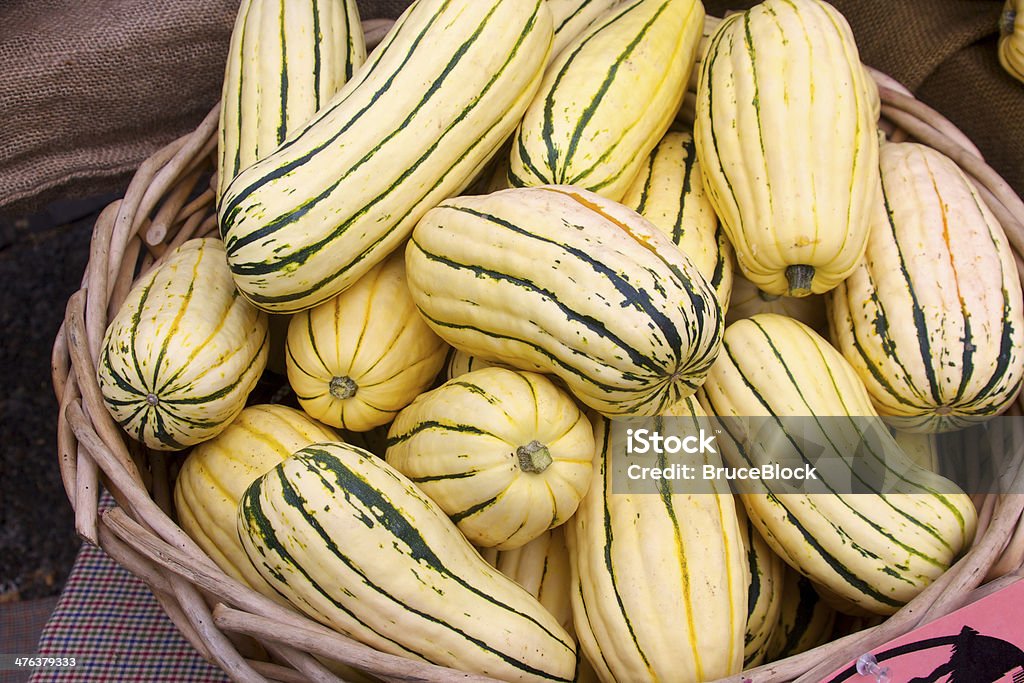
[109,621]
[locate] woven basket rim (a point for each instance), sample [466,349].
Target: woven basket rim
[142,536]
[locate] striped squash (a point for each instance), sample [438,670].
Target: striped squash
[787,142]
[183,352]
[573,17]
[765,570]
[458,363]
[747,300]
[608,98]
[669,192]
[932,319]
[1011,39]
[560,280]
[217,472]
[542,568]
[414,125]
[355,545]
[505,453]
[921,447]
[286,58]
[356,360]
[659,588]
[874,550]
[805,620]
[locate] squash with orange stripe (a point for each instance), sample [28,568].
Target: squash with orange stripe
[932,320]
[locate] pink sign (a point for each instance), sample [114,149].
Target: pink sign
[980,643]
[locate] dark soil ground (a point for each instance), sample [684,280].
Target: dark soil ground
[42,258]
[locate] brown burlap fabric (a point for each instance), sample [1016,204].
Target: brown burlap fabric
[92,87]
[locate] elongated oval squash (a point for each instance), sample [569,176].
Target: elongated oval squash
[805,620]
[542,568]
[458,363]
[505,453]
[414,125]
[659,587]
[560,280]
[1011,39]
[573,17]
[217,472]
[355,545]
[608,97]
[669,191]
[286,58]
[356,360]
[787,142]
[183,352]
[764,591]
[875,546]
[932,320]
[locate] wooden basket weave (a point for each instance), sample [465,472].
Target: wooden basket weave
[234,627]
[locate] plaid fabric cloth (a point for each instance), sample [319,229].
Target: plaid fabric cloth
[20,626]
[110,622]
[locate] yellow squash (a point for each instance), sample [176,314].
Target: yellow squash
[786,137]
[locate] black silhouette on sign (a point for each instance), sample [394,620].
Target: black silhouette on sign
[975,658]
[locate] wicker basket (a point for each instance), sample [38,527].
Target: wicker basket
[234,627]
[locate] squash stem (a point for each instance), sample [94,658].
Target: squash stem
[799,278]
[343,387]
[534,457]
[1007,21]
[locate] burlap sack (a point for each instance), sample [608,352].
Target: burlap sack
[92,87]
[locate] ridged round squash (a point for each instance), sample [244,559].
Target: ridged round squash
[659,586]
[669,191]
[1011,39]
[217,472]
[933,319]
[183,352]
[505,453]
[563,281]
[459,363]
[352,543]
[786,138]
[608,97]
[357,359]
[875,547]
[286,58]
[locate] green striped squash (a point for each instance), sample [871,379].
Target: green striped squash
[542,568]
[352,543]
[560,280]
[873,550]
[669,192]
[805,620]
[183,352]
[505,453]
[787,141]
[458,363]
[286,58]
[933,319]
[573,17]
[413,126]
[217,472]
[765,570]
[658,584]
[357,359]
[608,98]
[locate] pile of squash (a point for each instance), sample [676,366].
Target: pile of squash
[512,226]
